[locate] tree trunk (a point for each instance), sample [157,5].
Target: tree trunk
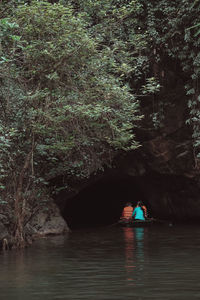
[20,204]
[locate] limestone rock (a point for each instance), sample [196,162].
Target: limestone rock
[48,221]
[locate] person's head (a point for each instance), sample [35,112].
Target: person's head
[139,203]
[128,204]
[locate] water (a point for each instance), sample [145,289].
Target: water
[106,263]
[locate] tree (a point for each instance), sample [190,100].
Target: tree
[64,112]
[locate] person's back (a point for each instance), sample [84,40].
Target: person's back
[138,213]
[144,210]
[127,212]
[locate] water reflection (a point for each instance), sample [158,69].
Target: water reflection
[139,238]
[134,251]
[117,263]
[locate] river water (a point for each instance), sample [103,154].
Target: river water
[160,262]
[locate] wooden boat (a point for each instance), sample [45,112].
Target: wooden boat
[137,223]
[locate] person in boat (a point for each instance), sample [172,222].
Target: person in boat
[144,210]
[127,212]
[138,213]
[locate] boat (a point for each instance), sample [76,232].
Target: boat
[137,223]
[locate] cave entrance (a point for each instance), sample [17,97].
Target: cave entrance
[102,202]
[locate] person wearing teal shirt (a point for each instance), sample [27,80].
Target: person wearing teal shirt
[138,213]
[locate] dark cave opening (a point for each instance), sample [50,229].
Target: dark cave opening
[102,202]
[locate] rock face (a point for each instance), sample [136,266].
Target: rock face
[166,168]
[47,222]
[163,171]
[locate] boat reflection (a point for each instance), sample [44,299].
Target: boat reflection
[134,251]
[139,238]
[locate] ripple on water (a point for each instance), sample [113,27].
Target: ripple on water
[106,263]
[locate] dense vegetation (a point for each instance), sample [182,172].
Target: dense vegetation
[76,77]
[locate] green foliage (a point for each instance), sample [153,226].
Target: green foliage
[151,87]
[60,97]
